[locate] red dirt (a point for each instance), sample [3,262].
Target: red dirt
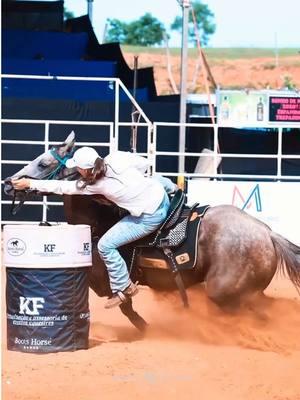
[200,353]
[258,73]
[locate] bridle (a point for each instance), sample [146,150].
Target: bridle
[52,175]
[61,164]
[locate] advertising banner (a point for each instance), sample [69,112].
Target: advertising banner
[242,108]
[254,108]
[47,310]
[276,204]
[34,246]
[284,109]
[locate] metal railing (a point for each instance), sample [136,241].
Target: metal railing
[152,150]
[215,155]
[114,127]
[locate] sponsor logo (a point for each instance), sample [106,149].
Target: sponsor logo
[16,247]
[32,343]
[49,248]
[31,305]
[86,249]
[252,201]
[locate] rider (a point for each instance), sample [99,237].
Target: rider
[120,178]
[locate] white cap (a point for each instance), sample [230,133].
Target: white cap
[84,158]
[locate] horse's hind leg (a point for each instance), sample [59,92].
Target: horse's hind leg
[133,316]
[224,299]
[227,292]
[230,297]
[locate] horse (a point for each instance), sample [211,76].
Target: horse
[237,256]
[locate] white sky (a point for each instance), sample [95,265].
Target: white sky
[244,23]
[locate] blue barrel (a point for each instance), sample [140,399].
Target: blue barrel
[47,289]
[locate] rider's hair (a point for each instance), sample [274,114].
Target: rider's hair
[94,174]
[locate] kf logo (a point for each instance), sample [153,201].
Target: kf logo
[30,305]
[86,246]
[49,248]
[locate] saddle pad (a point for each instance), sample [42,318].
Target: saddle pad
[185,254]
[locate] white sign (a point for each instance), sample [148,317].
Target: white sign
[59,246]
[275,203]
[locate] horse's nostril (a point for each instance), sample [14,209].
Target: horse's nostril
[8,187]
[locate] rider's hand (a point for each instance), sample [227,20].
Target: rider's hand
[21,184]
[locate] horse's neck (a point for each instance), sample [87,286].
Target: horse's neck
[83,209]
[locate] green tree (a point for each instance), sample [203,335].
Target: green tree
[116,31]
[205,23]
[146,31]
[68,14]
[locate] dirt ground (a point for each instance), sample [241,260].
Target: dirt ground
[194,354]
[243,73]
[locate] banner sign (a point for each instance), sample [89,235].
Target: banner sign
[47,310]
[33,246]
[254,109]
[276,204]
[284,109]
[241,108]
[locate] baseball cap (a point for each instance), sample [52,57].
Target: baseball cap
[84,158]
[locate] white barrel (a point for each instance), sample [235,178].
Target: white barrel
[57,246]
[47,287]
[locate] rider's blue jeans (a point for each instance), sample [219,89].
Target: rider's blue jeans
[125,231]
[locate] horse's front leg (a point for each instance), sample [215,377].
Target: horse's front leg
[133,316]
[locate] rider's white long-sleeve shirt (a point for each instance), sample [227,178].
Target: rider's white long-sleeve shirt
[124,184]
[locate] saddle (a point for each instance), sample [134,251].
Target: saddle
[175,242]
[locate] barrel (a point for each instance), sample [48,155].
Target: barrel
[47,306]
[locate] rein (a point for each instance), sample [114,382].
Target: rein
[52,175]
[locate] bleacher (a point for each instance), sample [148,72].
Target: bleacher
[52,53]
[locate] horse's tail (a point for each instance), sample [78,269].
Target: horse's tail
[288,258]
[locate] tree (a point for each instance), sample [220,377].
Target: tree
[146,31]
[68,14]
[205,23]
[116,31]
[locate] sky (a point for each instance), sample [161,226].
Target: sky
[239,23]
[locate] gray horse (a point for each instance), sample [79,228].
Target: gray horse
[237,254]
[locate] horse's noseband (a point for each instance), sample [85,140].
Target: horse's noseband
[61,162]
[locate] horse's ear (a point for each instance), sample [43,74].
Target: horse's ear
[70,140]
[67,144]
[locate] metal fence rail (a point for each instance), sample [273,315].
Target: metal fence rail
[279,156]
[153,130]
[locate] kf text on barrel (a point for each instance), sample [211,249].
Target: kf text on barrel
[47,305]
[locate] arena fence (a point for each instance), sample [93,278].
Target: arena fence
[210,159]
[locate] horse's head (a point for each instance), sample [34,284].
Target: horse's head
[49,165]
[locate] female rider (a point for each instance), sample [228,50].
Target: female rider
[120,178]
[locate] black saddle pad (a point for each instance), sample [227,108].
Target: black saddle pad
[185,254]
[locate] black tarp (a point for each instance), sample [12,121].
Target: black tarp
[47,309]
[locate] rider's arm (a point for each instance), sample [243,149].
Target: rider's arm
[58,187]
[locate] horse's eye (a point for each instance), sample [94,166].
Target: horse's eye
[42,165]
